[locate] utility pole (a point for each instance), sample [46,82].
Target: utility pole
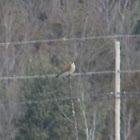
[117,92]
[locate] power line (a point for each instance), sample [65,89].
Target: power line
[69,98]
[74,74]
[130,71]
[69,39]
[53,100]
[129,93]
[25,77]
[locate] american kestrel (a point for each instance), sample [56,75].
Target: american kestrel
[68,69]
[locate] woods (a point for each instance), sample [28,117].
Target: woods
[37,38]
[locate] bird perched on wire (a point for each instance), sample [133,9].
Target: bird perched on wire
[68,69]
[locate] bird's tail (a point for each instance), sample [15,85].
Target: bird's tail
[59,74]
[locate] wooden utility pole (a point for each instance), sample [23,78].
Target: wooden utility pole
[117,92]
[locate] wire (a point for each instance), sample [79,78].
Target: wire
[53,100]
[130,71]
[69,98]
[74,74]
[128,92]
[69,39]
[25,77]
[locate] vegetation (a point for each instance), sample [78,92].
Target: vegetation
[41,108]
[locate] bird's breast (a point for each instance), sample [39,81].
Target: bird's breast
[72,68]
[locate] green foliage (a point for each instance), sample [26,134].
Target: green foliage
[36,98]
[42,118]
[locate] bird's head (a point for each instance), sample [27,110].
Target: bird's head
[71,62]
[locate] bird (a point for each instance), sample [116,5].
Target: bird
[68,69]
